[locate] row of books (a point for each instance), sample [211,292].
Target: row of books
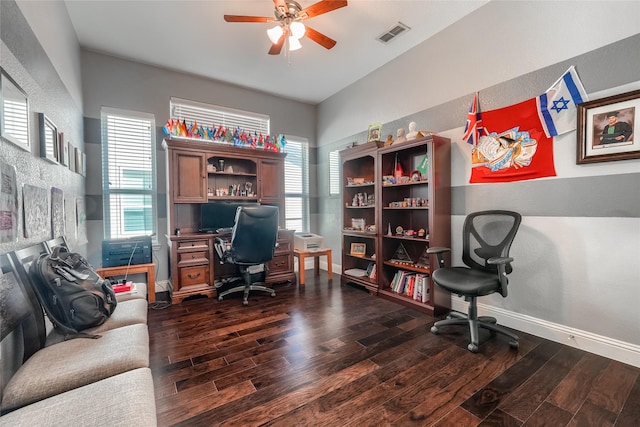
[414,285]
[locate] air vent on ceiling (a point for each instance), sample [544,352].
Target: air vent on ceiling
[394,32]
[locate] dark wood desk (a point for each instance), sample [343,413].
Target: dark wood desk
[149,269]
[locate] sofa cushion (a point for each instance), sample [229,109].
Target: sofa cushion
[140,293]
[127,313]
[126,399]
[70,364]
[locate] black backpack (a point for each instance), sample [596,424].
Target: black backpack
[73,295]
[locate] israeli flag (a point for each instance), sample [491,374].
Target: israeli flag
[557,107]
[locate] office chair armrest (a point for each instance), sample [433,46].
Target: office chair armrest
[501,262]
[220,246]
[439,250]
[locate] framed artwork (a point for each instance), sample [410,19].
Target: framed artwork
[35,202]
[63,150]
[72,157]
[374,132]
[78,156]
[48,139]
[57,212]
[358,249]
[14,113]
[608,129]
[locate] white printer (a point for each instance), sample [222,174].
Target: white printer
[307,242]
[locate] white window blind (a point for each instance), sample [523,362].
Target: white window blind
[128,173]
[213,116]
[334,172]
[296,184]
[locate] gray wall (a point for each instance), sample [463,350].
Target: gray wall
[36,67]
[114,82]
[576,272]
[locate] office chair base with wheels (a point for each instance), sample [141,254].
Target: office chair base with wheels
[246,272]
[475,322]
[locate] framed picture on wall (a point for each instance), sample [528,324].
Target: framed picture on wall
[14,113]
[48,139]
[63,150]
[609,128]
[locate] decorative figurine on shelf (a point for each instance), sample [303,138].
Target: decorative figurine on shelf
[413,133]
[400,136]
[389,140]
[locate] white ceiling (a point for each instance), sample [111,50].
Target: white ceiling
[191,36]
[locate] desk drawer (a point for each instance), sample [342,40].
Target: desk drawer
[188,245]
[193,258]
[284,246]
[281,264]
[194,275]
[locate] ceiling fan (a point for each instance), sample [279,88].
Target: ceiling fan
[289,16]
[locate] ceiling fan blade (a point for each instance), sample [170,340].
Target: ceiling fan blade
[276,48]
[281,6]
[321,7]
[241,18]
[319,38]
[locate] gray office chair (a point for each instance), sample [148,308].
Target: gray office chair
[487,238]
[252,244]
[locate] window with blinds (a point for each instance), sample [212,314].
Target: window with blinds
[128,173]
[214,116]
[296,184]
[334,172]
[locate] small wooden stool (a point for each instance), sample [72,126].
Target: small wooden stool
[302,255]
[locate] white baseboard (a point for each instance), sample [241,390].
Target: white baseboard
[608,347]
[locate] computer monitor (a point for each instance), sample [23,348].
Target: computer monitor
[219,214]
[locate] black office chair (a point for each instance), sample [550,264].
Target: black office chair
[253,241]
[487,238]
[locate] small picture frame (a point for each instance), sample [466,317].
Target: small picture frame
[72,157]
[358,249]
[48,139]
[63,150]
[375,130]
[609,129]
[78,156]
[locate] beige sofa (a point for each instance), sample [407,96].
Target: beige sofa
[47,380]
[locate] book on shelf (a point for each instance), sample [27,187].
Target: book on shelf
[356,272]
[421,291]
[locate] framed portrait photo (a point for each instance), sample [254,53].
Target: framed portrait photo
[609,129]
[358,249]
[374,132]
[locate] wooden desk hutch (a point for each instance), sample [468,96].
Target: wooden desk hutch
[192,181]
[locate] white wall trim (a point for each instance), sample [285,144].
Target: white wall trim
[608,347]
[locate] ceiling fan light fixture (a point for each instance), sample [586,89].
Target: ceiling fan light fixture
[294,43]
[297,29]
[275,33]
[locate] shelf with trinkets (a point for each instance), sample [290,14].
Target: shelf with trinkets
[415,207]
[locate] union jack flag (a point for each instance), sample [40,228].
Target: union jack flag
[473,130]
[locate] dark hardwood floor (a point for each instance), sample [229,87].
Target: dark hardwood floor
[330,355]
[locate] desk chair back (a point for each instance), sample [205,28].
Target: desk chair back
[255,233]
[489,234]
